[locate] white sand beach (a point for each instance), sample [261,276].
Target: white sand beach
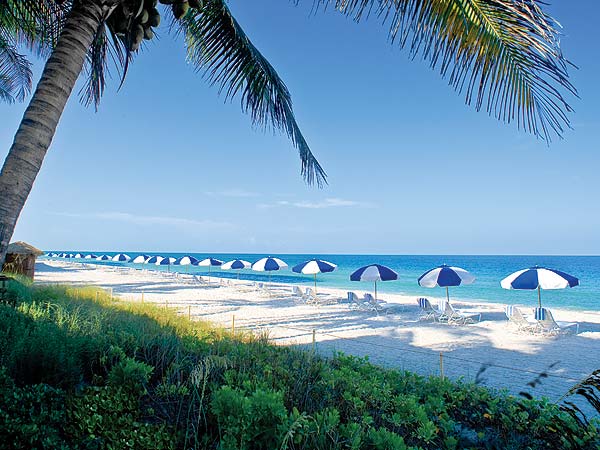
[396,338]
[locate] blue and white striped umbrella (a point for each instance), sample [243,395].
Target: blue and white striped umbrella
[123,257]
[91,256]
[165,261]
[445,276]
[539,278]
[140,259]
[269,265]
[208,262]
[237,265]
[62,255]
[69,255]
[153,259]
[103,258]
[186,261]
[375,273]
[78,255]
[313,267]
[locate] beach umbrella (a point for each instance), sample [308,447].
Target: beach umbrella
[69,255]
[121,257]
[166,262]
[209,262]
[140,259]
[186,261]
[90,256]
[103,258]
[445,276]
[237,265]
[269,264]
[313,267]
[375,273]
[78,256]
[539,278]
[154,259]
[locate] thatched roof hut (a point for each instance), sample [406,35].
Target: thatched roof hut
[20,258]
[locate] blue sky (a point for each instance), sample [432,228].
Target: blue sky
[167,165]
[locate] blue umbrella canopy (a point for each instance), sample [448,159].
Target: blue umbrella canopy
[313,267]
[445,276]
[91,256]
[123,257]
[103,258]
[209,262]
[165,261]
[539,278]
[375,273]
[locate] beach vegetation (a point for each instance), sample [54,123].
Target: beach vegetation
[504,55]
[81,370]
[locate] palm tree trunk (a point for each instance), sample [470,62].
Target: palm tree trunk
[41,117]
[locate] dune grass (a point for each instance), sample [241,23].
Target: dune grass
[79,370]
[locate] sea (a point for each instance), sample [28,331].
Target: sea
[488,270]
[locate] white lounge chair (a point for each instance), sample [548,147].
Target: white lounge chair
[297,292]
[354,302]
[549,325]
[456,317]
[374,304]
[428,312]
[519,320]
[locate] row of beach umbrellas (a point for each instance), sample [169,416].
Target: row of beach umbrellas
[444,276]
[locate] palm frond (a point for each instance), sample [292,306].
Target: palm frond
[504,54]
[15,71]
[96,68]
[218,46]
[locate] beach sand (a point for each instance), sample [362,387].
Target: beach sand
[509,359]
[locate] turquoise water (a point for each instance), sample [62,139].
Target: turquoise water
[489,270]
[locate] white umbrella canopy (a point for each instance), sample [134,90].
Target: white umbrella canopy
[153,259]
[269,264]
[209,262]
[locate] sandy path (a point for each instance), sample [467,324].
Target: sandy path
[395,339]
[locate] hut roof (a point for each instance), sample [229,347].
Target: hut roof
[23,248]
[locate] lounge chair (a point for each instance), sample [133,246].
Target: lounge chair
[549,325]
[297,292]
[354,302]
[428,312]
[518,319]
[455,317]
[374,304]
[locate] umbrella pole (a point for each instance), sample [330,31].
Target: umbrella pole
[375,290]
[447,295]
[315,282]
[539,297]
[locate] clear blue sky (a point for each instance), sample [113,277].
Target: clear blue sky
[166,165]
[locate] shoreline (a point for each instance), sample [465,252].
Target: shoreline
[397,339]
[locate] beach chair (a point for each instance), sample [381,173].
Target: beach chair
[519,320]
[548,325]
[297,292]
[374,304]
[455,317]
[428,312]
[354,302]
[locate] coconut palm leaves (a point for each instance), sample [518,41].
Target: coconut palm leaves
[504,54]
[218,46]
[31,23]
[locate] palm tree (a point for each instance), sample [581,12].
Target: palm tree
[504,54]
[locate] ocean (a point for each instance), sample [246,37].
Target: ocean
[488,270]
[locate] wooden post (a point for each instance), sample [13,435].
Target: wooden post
[441,365]
[111,293]
[96,296]
[189,312]
[166,303]
[314,340]
[142,297]
[233,324]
